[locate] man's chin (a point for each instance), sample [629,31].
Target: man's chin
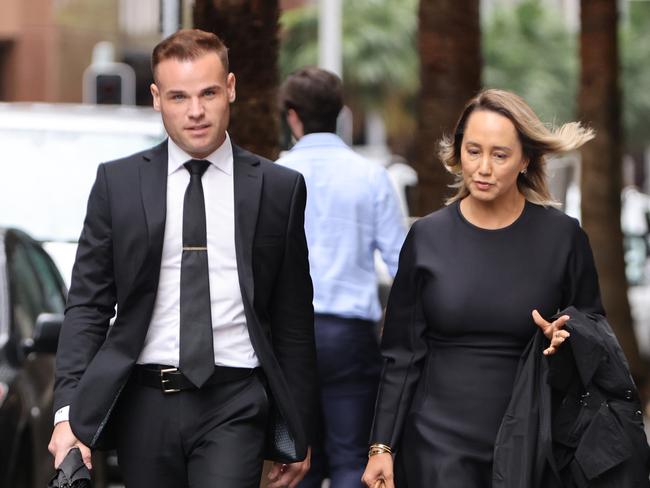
[200,151]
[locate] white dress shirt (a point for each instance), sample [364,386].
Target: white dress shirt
[232,344]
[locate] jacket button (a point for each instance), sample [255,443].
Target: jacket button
[628,394]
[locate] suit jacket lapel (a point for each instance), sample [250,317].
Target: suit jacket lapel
[153,188]
[248,178]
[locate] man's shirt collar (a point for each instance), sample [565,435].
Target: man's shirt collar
[319,139]
[221,158]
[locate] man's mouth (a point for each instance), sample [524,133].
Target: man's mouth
[197,128]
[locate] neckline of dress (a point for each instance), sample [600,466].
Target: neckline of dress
[514,223]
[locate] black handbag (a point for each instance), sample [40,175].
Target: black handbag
[72,472]
[280,446]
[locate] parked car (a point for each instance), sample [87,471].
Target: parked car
[32,298]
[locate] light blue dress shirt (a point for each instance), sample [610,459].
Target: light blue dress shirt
[352,210]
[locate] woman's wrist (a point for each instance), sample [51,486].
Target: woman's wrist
[379,449]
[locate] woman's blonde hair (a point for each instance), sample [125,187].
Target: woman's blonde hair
[536,139]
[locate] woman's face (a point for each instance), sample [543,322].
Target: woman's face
[491,157]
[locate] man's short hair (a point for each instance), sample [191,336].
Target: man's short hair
[317,97]
[188,44]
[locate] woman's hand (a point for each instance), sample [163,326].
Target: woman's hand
[553,331]
[379,471]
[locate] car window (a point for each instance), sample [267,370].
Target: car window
[34,286]
[52,286]
[25,291]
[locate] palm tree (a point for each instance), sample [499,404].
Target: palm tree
[600,105]
[450,73]
[250,30]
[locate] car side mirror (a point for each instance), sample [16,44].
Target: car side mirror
[46,334]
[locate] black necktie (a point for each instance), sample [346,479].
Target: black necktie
[196,348]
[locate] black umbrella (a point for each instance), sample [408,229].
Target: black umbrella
[72,472]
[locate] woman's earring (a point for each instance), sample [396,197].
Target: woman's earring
[524,171]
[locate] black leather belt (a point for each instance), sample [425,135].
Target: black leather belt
[169,379]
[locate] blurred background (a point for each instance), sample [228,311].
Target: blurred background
[74,91]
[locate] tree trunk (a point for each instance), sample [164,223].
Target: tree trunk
[250,30]
[450,73]
[600,107]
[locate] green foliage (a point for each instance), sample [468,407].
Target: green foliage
[379,49]
[635,60]
[299,39]
[528,50]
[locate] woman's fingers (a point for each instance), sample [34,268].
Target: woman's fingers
[559,336]
[539,320]
[554,331]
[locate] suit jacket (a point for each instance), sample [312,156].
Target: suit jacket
[118,263]
[575,418]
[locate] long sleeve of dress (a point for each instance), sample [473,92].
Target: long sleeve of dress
[581,282]
[403,347]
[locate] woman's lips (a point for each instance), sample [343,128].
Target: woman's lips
[482,185]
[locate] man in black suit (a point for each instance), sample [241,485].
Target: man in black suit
[200,245]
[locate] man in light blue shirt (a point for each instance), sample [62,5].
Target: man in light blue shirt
[352,211]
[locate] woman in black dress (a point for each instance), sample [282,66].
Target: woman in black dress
[475,280]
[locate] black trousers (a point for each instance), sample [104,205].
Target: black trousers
[207,438]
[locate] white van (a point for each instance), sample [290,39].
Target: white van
[49,155]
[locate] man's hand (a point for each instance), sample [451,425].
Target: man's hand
[289,475]
[62,441]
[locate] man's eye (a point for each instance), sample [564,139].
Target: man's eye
[210,93]
[178,97]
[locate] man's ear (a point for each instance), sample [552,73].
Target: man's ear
[295,124]
[155,93]
[230,87]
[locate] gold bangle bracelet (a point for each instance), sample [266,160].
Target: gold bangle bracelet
[379,449]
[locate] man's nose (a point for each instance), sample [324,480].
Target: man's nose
[196,108]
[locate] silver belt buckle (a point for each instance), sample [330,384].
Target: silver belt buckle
[164,381]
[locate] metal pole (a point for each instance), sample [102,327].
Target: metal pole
[171,18]
[330,34]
